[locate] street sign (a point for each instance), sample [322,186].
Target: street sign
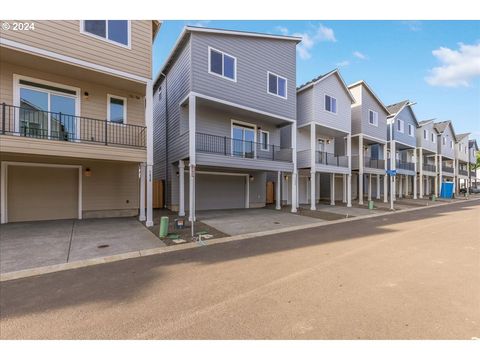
[392,172]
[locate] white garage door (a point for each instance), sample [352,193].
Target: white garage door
[218,192]
[41,193]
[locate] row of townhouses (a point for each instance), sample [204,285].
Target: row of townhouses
[85,130]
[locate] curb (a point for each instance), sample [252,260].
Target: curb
[15,275]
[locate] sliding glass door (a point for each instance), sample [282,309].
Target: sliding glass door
[243,141]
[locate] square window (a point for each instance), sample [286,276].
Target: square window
[111,30]
[222,64]
[330,104]
[277,85]
[117,110]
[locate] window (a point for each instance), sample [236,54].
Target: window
[264,139]
[400,125]
[410,130]
[116,31]
[433,138]
[277,85]
[451,144]
[425,134]
[222,64]
[330,104]
[444,140]
[117,109]
[372,117]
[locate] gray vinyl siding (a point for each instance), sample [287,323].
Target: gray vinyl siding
[254,58]
[370,103]
[461,155]
[445,150]
[332,86]
[178,86]
[407,116]
[304,107]
[356,119]
[427,144]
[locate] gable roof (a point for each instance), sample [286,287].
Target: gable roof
[441,126]
[462,136]
[472,143]
[320,78]
[397,108]
[425,122]
[364,84]
[187,30]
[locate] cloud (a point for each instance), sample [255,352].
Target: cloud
[359,55]
[316,33]
[413,25]
[343,63]
[459,67]
[199,23]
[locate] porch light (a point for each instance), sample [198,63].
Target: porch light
[251,178]
[86,94]
[88,172]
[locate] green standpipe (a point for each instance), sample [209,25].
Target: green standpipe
[370,204]
[434,198]
[163,226]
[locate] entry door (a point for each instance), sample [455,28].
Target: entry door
[47,112]
[243,142]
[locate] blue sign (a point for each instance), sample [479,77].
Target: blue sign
[392,172]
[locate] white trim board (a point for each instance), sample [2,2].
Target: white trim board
[4,184]
[70,60]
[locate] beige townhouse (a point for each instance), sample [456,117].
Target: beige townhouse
[75,116]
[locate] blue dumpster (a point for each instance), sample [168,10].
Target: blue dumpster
[446,190]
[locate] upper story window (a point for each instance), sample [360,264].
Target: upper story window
[410,130]
[433,138]
[372,117]
[444,140]
[117,109]
[425,134]
[460,147]
[264,140]
[451,144]
[222,64]
[114,31]
[400,125]
[330,104]
[277,85]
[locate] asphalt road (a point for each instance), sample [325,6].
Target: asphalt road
[414,275]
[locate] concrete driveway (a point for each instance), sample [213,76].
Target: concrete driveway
[245,221]
[29,245]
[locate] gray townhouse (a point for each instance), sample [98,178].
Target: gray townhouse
[369,144]
[462,161]
[446,139]
[402,125]
[221,101]
[426,154]
[324,140]
[473,150]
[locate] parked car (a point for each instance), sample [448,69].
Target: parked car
[471,190]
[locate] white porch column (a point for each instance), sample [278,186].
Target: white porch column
[192,124]
[141,216]
[149,169]
[295,173]
[378,186]
[400,186]
[360,169]
[349,179]
[407,185]
[415,176]
[344,185]
[420,164]
[181,188]
[440,174]
[247,192]
[313,182]
[385,178]
[278,195]
[332,189]
[369,187]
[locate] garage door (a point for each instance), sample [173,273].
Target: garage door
[41,193]
[218,192]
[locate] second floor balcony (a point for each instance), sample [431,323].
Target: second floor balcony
[447,169]
[57,126]
[429,167]
[329,159]
[463,172]
[403,165]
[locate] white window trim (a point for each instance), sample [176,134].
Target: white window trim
[444,140]
[410,126]
[110,96]
[261,140]
[402,128]
[223,53]
[106,39]
[278,77]
[451,144]
[425,134]
[234,122]
[433,138]
[325,103]
[375,117]
[16,94]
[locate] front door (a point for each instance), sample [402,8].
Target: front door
[243,141]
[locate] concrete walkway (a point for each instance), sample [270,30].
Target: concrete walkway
[33,244]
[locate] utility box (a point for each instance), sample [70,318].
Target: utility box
[179,223]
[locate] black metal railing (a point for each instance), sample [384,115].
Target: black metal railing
[429,167]
[325,158]
[48,125]
[448,169]
[405,165]
[463,172]
[222,145]
[473,173]
[373,163]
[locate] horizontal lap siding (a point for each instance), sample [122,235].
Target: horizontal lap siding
[407,117]
[369,103]
[427,144]
[445,150]
[255,56]
[305,107]
[333,87]
[64,37]
[461,155]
